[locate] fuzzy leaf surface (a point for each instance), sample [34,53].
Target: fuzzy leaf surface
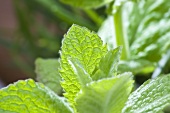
[148,29]
[47,73]
[106,95]
[152,97]
[31,97]
[85,46]
[108,64]
[82,75]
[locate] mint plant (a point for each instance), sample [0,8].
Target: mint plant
[140,26]
[89,80]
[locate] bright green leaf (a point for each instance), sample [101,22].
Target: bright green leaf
[47,73]
[82,75]
[2,111]
[152,97]
[85,46]
[31,97]
[106,95]
[86,3]
[108,64]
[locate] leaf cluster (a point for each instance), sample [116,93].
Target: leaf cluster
[89,74]
[90,82]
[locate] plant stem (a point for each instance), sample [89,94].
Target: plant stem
[120,37]
[94,16]
[65,15]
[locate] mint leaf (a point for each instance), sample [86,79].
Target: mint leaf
[152,97]
[156,42]
[86,3]
[85,46]
[108,64]
[31,97]
[105,96]
[142,19]
[82,76]
[136,66]
[106,32]
[47,73]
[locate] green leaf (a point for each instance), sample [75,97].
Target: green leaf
[86,3]
[2,111]
[136,66]
[85,46]
[47,73]
[106,32]
[148,29]
[31,97]
[152,97]
[82,75]
[156,42]
[106,95]
[108,64]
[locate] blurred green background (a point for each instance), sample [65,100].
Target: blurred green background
[35,28]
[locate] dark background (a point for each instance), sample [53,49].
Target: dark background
[34,28]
